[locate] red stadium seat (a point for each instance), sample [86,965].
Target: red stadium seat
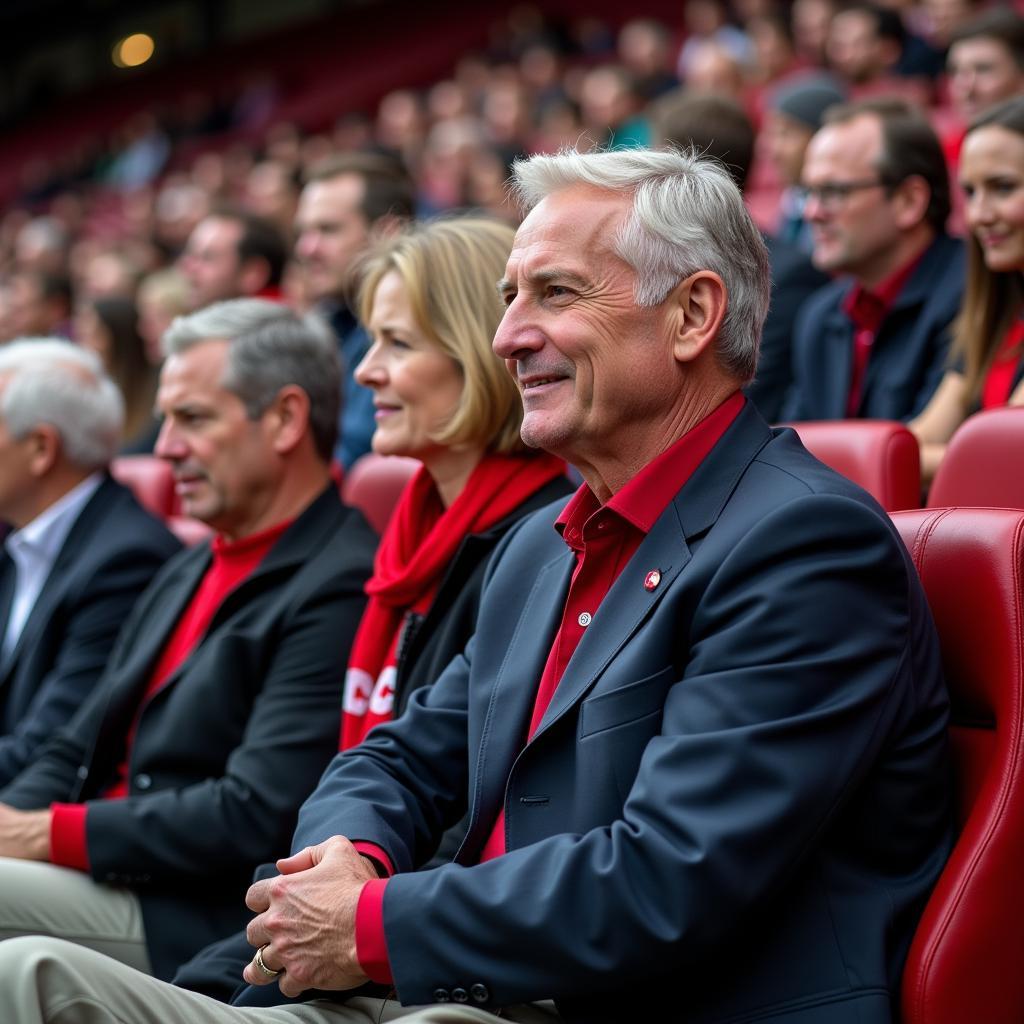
[880,455]
[150,479]
[965,960]
[984,463]
[374,483]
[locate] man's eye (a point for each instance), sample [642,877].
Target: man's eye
[508,298]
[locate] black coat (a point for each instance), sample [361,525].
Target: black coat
[227,749]
[440,636]
[110,555]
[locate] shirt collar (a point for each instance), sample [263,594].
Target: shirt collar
[868,308]
[648,494]
[45,535]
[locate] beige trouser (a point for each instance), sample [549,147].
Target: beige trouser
[42,899]
[56,982]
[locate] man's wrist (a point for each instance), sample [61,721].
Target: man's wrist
[30,833]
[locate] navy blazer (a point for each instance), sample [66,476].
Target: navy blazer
[232,742]
[110,555]
[737,801]
[909,355]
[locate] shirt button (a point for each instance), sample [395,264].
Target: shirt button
[479,993]
[82,772]
[442,995]
[584,619]
[143,781]
[460,995]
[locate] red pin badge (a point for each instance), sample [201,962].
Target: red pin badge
[652,579]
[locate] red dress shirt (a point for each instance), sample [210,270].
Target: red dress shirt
[603,538]
[868,310]
[998,384]
[231,564]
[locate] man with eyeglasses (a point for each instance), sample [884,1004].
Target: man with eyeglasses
[873,343]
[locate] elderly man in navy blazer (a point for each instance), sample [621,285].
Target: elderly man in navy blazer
[81,550]
[700,731]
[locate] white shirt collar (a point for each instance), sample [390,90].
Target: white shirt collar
[44,536]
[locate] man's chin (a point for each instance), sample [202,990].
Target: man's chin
[540,433]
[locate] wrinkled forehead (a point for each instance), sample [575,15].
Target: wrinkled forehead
[574,225]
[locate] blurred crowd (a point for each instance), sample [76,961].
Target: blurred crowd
[111,249]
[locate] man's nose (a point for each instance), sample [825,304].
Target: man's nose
[169,444]
[516,336]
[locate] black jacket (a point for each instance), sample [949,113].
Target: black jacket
[441,635]
[110,555]
[227,749]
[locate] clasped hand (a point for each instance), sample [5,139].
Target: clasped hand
[306,919]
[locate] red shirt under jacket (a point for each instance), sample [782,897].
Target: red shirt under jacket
[998,385]
[868,310]
[603,539]
[231,564]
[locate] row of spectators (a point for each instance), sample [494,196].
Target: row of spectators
[113,261]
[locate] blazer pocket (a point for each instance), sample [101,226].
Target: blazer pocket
[626,704]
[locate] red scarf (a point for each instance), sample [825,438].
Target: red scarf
[418,545]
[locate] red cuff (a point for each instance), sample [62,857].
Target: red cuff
[371,945]
[67,836]
[375,853]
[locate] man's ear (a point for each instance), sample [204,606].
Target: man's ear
[910,199]
[699,303]
[44,448]
[288,418]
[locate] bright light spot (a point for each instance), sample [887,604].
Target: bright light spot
[133,50]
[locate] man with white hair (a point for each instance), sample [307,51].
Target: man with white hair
[137,829]
[700,730]
[81,549]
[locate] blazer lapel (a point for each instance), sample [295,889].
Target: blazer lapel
[693,510]
[624,607]
[163,613]
[7,580]
[300,541]
[78,536]
[515,688]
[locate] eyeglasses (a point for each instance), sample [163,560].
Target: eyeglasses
[833,194]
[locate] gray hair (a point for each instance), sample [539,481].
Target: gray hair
[687,215]
[270,348]
[55,382]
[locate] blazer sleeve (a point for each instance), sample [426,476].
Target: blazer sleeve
[220,825]
[102,602]
[788,681]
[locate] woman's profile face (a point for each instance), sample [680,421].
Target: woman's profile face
[416,387]
[992,177]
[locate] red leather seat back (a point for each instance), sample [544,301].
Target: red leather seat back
[984,463]
[966,962]
[373,485]
[880,455]
[150,479]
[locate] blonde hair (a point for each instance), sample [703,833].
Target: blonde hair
[450,269]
